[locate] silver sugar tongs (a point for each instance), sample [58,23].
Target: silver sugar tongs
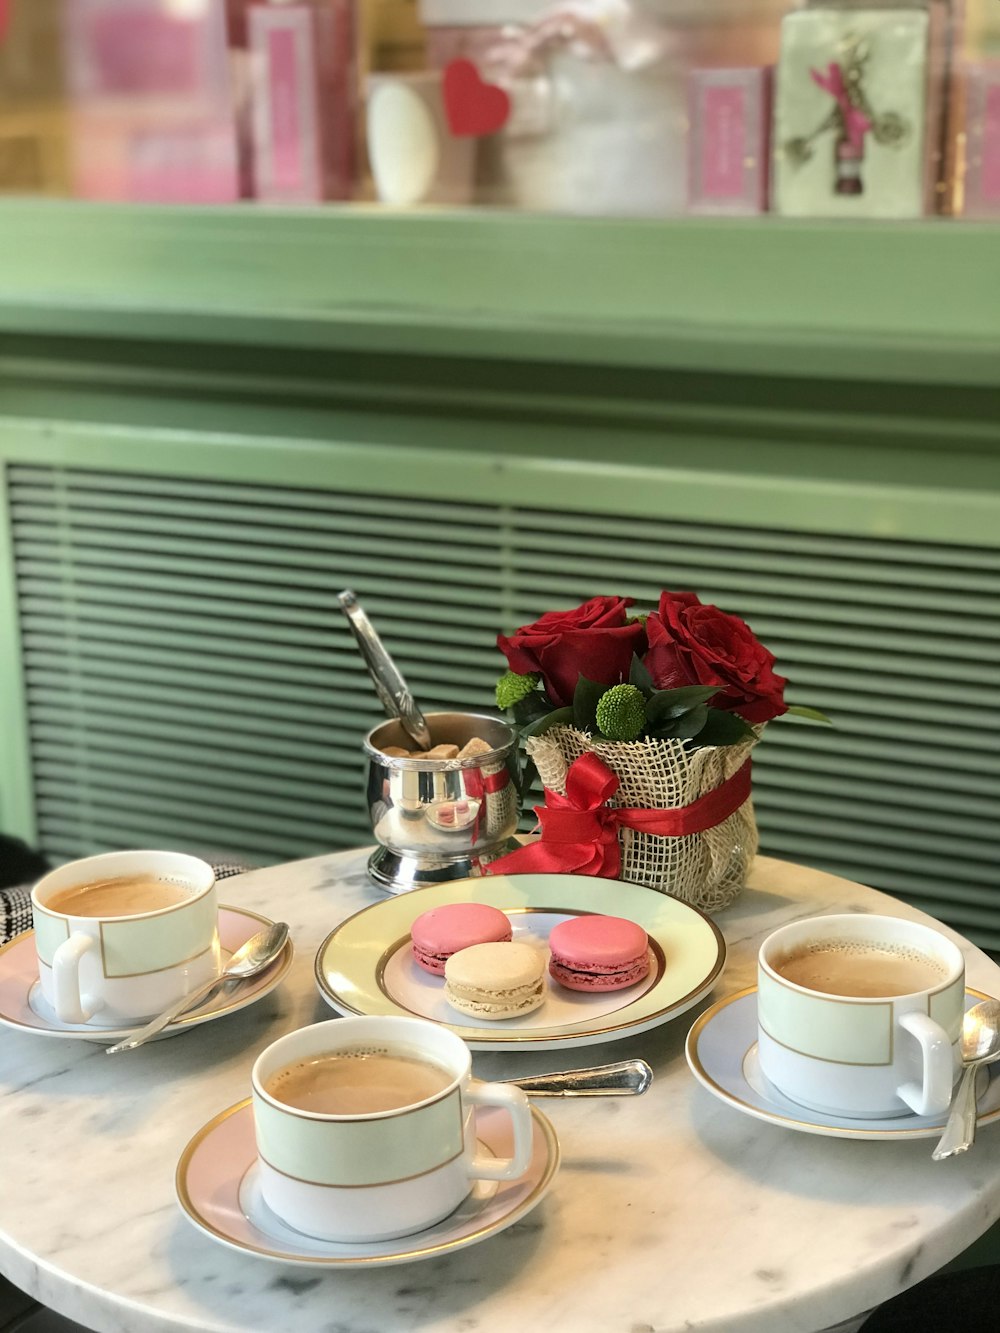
[389,684]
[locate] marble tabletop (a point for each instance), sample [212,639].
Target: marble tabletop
[671,1211]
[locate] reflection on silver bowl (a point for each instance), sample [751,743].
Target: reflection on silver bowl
[454,817]
[441,819]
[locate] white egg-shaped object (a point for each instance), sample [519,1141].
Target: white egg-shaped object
[403,144]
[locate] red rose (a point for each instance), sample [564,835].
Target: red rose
[592,640]
[694,644]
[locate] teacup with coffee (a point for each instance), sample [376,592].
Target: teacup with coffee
[365,1127]
[119,937]
[861,1015]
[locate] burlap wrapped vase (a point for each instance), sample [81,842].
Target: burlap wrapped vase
[706,869]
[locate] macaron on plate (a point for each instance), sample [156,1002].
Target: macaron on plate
[367,965]
[496,981]
[443,931]
[598,953]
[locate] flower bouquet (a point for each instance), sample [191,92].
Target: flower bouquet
[641,728]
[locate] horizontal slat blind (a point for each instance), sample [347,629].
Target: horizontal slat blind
[191,681]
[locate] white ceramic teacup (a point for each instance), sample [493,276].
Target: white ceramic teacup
[862,1055]
[377,1175]
[116,970]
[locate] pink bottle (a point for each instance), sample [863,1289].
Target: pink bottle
[303,100]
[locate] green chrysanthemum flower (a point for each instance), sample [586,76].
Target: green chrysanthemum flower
[621,713]
[512,688]
[638,620]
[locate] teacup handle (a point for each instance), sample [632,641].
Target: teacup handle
[933,1096]
[68,996]
[514,1101]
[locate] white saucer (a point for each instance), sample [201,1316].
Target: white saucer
[722,1053]
[217,1188]
[22,1005]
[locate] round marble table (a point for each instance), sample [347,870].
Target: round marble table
[672,1211]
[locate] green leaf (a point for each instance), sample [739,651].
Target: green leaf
[529,708]
[690,724]
[640,677]
[585,700]
[560,717]
[724,728]
[667,704]
[664,733]
[681,728]
[813,714]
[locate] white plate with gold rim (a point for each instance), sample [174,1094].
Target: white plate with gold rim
[366,966]
[23,1007]
[721,1050]
[217,1188]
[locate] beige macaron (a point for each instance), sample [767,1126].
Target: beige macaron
[494,981]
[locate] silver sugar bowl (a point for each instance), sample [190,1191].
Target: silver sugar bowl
[441,819]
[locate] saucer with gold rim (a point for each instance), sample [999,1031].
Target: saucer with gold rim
[23,1007]
[365,965]
[216,1184]
[721,1051]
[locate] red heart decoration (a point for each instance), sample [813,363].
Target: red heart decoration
[473,107]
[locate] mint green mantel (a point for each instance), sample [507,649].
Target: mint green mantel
[905,302]
[733,360]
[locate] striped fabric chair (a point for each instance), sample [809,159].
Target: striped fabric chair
[20,867]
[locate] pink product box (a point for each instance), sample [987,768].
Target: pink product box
[155,159]
[152,110]
[982,144]
[139,49]
[303,101]
[729,117]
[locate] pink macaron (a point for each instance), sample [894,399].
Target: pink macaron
[442,931]
[598,953]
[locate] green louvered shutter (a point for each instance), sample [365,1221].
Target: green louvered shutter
[191,681]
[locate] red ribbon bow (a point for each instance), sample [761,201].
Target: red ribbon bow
[856,123]
[579,831]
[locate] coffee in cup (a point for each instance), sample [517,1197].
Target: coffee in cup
[859,967]
[365,1127]
[122,895]
[861,1015]
[357,1082]
[119,937]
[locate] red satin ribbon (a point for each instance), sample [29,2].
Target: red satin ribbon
[579,831]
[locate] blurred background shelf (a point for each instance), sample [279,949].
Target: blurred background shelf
[212,421]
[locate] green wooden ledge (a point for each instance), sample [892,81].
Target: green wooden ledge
[891,302]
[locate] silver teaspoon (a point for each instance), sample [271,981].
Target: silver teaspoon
[628,1078]
[980,1045]
[249,959]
